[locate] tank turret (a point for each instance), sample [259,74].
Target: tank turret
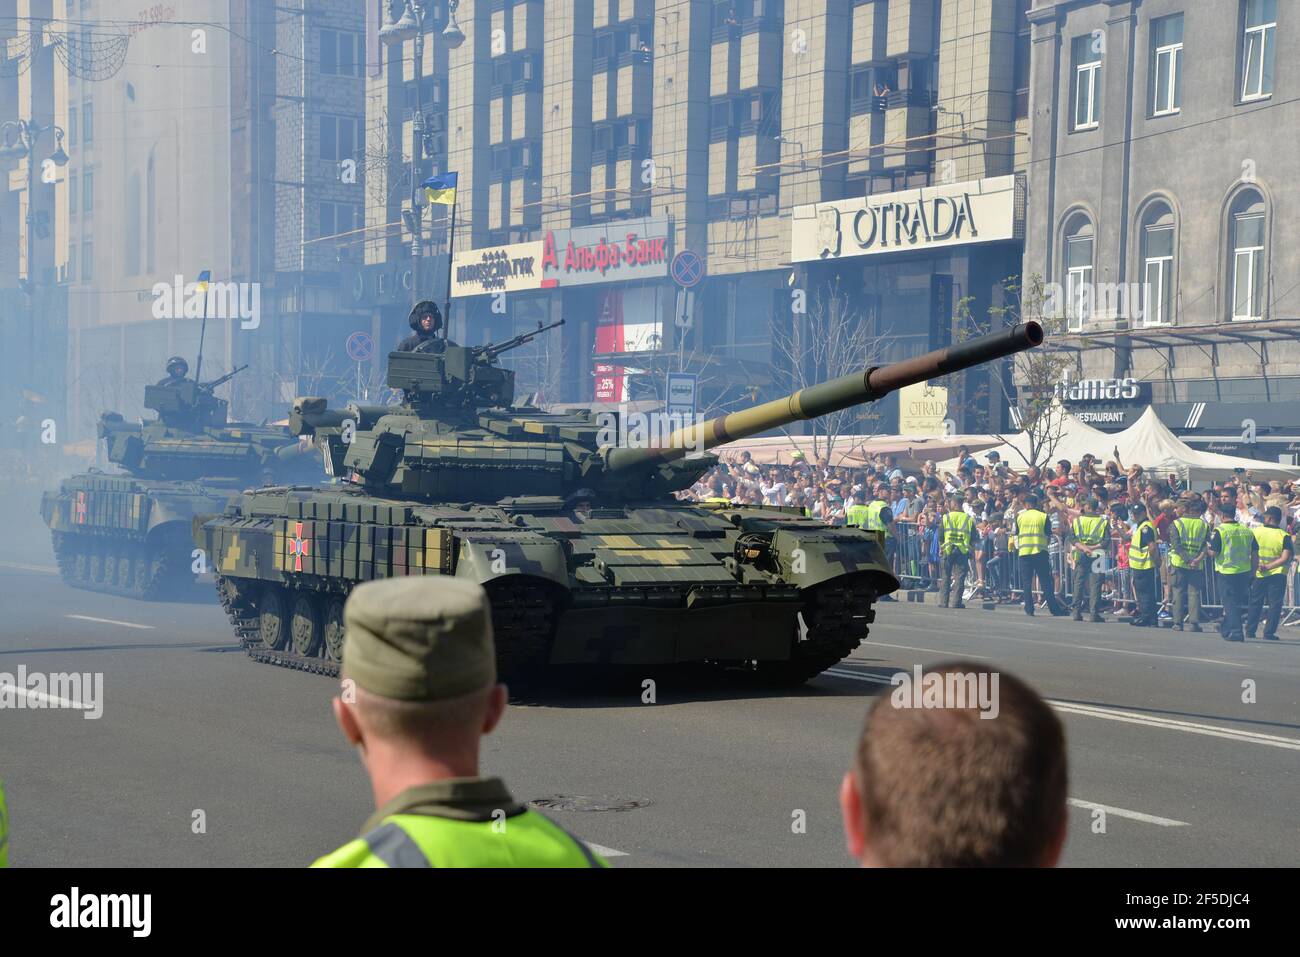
[455,436]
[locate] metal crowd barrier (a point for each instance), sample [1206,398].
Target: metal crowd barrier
[915,558]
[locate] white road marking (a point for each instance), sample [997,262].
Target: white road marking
[606,851]
[1130,717]
[1073,646]
[1131,815]
[47,569]
[936,651]
[111,621]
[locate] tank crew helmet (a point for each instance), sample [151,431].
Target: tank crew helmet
[177,366]
[425,307]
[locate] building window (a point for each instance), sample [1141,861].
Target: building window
[1157,267]
[338,137]
[1087,82]
[1259,30]
[340,53]
[1167,65]
[1248,257]
[87,258]
[1078,271]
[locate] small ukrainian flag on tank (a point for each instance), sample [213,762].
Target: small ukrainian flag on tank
[441,189]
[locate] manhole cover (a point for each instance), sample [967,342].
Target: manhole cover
[578,802]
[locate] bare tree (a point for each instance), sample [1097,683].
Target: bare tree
[1032,396]
[823,342]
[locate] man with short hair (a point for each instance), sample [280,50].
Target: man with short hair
[1236,557]
[1268,590]
[1188,536]
[1088,544]
[420,663]
[1031,548]
[942,787]
[958,530]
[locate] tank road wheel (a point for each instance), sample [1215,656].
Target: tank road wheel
[96,575]
[80,561]
[836,619]
[333,645]
[139,568]
[306,626]
[273,618]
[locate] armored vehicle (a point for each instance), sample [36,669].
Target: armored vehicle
[129,533]
[586,554]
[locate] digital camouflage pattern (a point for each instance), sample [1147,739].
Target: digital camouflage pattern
[586,556]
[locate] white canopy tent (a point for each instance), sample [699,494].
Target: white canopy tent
[1076,439]
[1149,443]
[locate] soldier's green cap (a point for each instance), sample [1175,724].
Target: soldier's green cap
[419,639]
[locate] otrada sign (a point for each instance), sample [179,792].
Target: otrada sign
[979,211]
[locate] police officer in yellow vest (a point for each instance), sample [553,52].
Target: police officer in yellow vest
[958,532]
[1143,556]
[1088,533]
[1268,590]
[1031,547]
[876,516]
[1236,556]
[1188,536]
[420,691]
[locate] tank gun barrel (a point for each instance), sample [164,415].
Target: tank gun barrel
[826,397]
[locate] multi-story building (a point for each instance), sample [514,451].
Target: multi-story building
[596,140]
[1162,194]
[212,138]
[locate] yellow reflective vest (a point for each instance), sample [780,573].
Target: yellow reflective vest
[525,839]
[1031,532]
[1141,559]
[1192,533]
[1235,541]
[1270,549]
[957,529]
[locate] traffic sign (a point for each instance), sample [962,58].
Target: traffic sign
[360,346]
[687,269]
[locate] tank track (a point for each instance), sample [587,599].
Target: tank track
[838,616]
[74,555]
[523,617]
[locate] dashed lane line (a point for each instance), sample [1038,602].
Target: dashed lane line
[1129,717]
[111,621]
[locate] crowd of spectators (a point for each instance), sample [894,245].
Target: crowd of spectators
[993,492]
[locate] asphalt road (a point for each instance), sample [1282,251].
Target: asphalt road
[1158,732]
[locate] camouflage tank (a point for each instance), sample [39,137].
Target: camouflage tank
[129,533]
[586,555]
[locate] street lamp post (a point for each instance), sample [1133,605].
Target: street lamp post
[411,25]
[20,139]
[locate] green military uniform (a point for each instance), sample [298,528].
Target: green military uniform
[1087,530]
[958,530]
[1187,539]
[423,640]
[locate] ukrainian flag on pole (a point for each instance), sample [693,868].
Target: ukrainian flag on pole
[441,189]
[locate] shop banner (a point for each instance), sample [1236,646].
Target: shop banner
[932,217]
